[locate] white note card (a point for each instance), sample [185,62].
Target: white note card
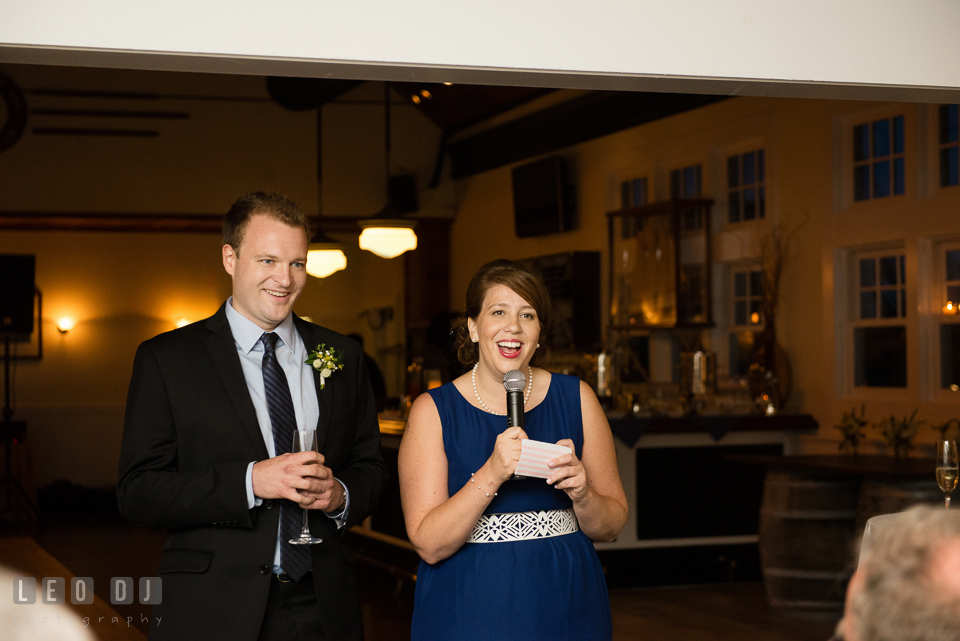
[534,456]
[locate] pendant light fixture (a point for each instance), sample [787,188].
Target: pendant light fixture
[387,234]
[325,255]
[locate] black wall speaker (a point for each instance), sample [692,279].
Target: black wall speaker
[543,201]
[16,296]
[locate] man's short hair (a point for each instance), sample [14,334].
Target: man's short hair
[270,204]
[905,594]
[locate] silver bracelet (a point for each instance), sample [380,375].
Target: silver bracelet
[478,485]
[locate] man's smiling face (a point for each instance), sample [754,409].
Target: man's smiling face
[268,270]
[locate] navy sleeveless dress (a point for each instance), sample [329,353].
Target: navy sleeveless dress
[552,588]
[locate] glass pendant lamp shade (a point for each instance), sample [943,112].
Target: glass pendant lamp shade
[324,256]
[387,238]
[323,262]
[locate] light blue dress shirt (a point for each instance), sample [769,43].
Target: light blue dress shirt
[291,353]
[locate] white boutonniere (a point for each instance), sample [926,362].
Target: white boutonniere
[325,360]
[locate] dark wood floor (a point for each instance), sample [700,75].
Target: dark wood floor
[106,547]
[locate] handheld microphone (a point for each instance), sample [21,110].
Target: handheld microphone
[514,382]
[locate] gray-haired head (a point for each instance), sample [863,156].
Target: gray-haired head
[910,587]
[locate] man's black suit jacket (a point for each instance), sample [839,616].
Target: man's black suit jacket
[190,431]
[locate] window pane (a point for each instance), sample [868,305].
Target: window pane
[903,270]
[689,182]
[740,312]
[888,270]
[755,312]
[881,179]
[733,171]
[903,303]
[624,195]
[760,168]
[953,123]
[953,294]
[881,138]
[741,353]
[861,143]
[888,303]
[761,202]
[749,169]
[756,283]
[880,355]
[861,182]
[733,206]
[640,191]
[953,264]
[675,183]
[868,272]
[899,178]
[740,284]
[949,123]
[868,304]
[949,166]
[749,204]
[949,355]
[898,135]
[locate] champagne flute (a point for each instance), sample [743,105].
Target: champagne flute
[947,467]
[305,441]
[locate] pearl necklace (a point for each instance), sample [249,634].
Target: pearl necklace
[526,395]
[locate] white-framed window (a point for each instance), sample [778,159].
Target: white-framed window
[633,193]
[949,145]
[879,329]
[687,182]
[949,298]
[879,163]
[746,188]
[746,316]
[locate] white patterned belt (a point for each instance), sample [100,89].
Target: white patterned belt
[523,526]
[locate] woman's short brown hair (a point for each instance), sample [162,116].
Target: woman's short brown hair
[524,282]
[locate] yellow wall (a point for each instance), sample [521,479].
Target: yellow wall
[807,173]
[126,287]
[123,288]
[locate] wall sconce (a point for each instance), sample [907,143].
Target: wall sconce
[65,324]
[950,307]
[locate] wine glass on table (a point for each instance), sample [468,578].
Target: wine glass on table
[305,441]
[947,468]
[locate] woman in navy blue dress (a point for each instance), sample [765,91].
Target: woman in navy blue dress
[508,559]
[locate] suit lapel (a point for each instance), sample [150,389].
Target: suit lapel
[323,394]
[223,352]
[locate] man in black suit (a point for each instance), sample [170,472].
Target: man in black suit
[199,457]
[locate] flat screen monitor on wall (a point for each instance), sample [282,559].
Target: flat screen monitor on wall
[542,199]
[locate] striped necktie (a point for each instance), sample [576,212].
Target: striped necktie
[294,559]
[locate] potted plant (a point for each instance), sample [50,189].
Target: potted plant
[899,432]
[949,431]
[853,429]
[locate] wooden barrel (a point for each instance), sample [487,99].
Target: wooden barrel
[895,495]
[807,530]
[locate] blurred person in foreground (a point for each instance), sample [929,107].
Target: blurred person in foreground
[508,559]
[907,587]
